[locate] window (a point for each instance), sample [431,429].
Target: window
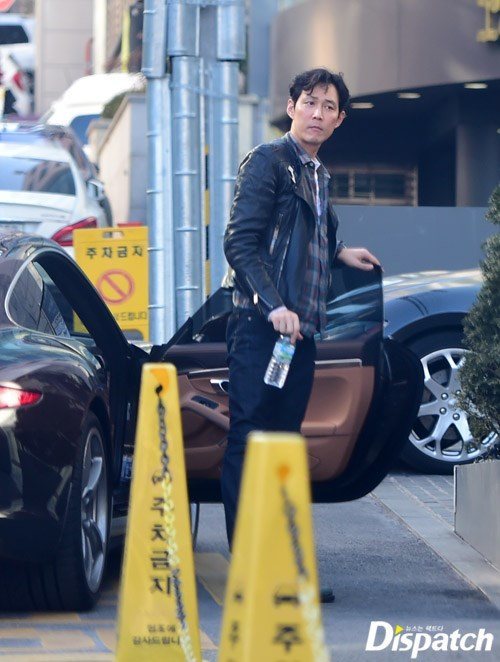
[25,302]
[13,34]
[59,311]
[374,186]
[36,175]
[36,303]
[354,310]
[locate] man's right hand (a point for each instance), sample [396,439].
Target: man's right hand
[286,322]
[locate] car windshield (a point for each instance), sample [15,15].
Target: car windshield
[80,125]
[12,34]
[37,175]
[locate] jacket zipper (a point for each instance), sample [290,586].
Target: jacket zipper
[283,259]
[275,234]
[256,296]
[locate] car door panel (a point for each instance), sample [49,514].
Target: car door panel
[339,402]
[205,422]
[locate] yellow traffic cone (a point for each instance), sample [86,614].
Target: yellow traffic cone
[271,608]
[158,614]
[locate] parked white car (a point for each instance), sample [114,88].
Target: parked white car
[62,136]
[85,99]
[43,192]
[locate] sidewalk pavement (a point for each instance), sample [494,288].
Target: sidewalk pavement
[426,506]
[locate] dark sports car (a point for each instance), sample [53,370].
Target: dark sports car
[68,402]
[425,311]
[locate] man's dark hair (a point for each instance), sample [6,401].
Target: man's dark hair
[307,81]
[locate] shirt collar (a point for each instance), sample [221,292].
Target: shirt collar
[306,158]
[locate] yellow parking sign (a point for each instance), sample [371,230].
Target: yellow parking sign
[116,261]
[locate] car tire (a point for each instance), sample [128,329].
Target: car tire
[72,580]
[440,437]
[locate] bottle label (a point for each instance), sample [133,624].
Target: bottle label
[284,350]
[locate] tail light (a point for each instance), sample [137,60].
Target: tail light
[12,398]
[64,236]
[18,79]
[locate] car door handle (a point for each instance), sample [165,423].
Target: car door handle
[220,385]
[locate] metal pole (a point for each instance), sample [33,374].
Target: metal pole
[168,237]
[187,186]
[158,208]
[223,122]
[224,162]
[183,47]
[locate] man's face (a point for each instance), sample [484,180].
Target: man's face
[315,116]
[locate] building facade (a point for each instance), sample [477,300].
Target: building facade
[424,125]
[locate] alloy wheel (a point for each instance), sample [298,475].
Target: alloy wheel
[441,430]
[94,508]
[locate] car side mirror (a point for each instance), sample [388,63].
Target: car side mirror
[96,189]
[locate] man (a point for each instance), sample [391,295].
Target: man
[281,242]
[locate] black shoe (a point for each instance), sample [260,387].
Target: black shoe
[326,595]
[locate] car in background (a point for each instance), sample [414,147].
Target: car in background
[17,62]
[69,391]
[35,132]
[85,99]
[17,29]
[43,192]
[425,312]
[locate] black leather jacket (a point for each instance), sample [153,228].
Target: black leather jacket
[271,223]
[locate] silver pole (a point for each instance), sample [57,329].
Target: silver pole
[168,245]
[223,123]
[231,30]
[187,185]
[183,49]
[224,161]
[158,216]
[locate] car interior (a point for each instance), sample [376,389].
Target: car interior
[347,360]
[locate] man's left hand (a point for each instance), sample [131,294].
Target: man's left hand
[360,258]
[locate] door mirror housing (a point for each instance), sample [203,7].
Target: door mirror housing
[96,189]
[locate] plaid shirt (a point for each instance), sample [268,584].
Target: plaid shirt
[312,307]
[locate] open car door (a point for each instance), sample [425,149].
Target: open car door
[365,395]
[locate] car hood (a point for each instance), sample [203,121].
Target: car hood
[27,205]
[412,284]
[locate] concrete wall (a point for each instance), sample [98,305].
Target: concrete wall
[477,492]
[63,33]
[122,159]
[409,239]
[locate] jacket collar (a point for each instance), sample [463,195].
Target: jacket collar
[295,170]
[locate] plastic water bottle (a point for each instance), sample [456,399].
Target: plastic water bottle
[278,367]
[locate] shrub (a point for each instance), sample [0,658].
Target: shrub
[480,373]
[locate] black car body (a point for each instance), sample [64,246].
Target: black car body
[68,401]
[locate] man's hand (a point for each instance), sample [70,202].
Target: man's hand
[358,257]
[286,322]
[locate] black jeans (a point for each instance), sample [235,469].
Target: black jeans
[254,405]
